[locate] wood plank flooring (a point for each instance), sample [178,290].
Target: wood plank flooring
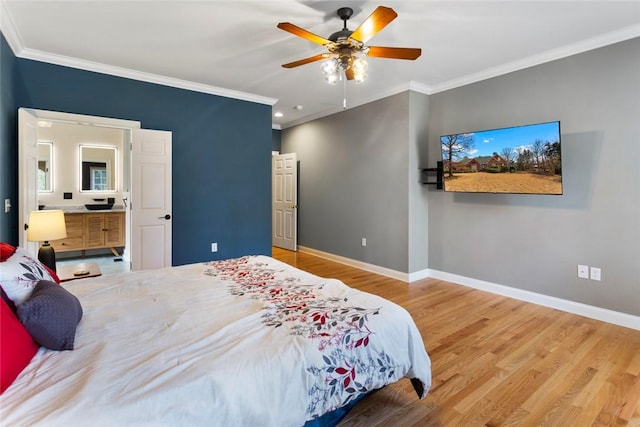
[497,361]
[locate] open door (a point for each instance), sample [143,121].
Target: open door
[285,201]
[150,207]
[27,175]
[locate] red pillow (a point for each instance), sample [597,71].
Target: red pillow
[17,348]
[53,274]
[6,250]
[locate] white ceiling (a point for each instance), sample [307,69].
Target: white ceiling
[233,48]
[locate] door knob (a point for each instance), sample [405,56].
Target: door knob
[293,206]
[167,216]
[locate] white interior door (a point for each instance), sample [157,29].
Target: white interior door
[150,199]
[285,201]
[27,175]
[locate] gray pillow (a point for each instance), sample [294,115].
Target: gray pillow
[51,315]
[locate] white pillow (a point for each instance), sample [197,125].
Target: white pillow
[19,274]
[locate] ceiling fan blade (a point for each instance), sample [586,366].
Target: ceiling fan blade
[301,32]
[379,19]
[306,60]
[394,52]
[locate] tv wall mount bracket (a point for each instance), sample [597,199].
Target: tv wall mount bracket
[428,175]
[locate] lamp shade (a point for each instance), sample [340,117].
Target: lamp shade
[46,225]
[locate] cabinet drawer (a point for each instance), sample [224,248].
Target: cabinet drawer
[68,244]
[73,220]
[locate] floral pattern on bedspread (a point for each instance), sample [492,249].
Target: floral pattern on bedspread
[337,328]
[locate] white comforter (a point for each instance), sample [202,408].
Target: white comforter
[243,342]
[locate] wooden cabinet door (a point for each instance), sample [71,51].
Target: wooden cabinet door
[94,230]
[114,225]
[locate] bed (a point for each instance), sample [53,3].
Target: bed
[241,342]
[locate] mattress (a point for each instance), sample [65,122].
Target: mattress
[243,342]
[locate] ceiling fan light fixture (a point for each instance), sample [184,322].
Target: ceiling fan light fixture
[343,46]
[359,67]
[330,71]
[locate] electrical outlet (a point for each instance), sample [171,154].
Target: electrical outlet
[595,273]
[364,241]
[583,271]
[214,247]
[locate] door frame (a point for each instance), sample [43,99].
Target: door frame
[284,213]
[27,171]
[56,116]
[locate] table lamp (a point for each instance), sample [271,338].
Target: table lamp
[44,226]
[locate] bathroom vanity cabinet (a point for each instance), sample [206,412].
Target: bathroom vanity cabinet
[92,230]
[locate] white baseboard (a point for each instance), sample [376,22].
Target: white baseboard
[590,311]
[398,275]
[418,275]
[593,312]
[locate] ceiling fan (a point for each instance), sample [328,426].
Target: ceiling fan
[344,46]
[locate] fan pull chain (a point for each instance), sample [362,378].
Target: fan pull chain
[344,93]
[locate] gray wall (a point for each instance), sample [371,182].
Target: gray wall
[357,179]
[353,172]
[535,242]
[418,212]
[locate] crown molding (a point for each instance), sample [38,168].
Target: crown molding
[403,87]
[620,35]
[97,67]
[14,40]
[420,88]
[8,29]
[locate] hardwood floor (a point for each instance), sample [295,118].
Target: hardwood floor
[497,361]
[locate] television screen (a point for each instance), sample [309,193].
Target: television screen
[522,159]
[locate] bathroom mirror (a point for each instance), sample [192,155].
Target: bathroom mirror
[45,164]
[98,168]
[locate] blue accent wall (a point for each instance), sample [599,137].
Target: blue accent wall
[221,151]
[8,147]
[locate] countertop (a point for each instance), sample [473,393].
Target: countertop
[82,209]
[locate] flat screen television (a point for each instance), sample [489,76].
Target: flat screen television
[521,159]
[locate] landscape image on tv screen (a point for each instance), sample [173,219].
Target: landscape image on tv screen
[522,159]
